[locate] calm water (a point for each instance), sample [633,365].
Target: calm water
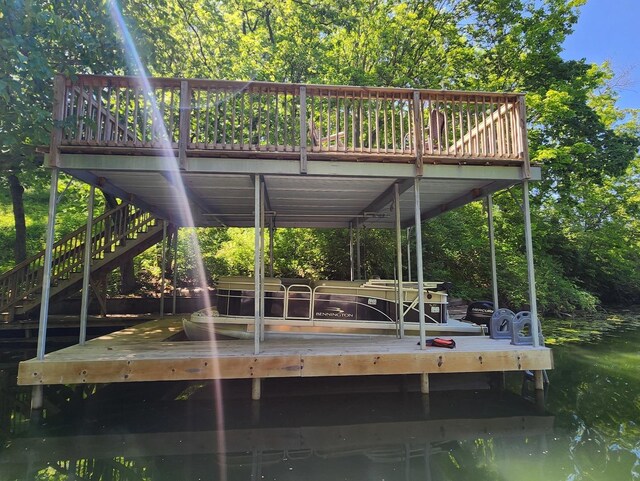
[589,429]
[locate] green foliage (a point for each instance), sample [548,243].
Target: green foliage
[585,211]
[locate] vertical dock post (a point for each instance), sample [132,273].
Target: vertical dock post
[533,303]
[175,271]
[256,389]
[86,271]
[358,268]
[37,393]
[163,266]
[424,383]
[409,254]
[419,273]
[399,260]
[262,249]
[256,266]
[492,249]
[351,267]
[272,231]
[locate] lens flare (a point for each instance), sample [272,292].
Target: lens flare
[185,217]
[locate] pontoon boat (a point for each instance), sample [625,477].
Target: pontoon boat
[298,308]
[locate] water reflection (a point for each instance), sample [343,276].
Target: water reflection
[309,430]
[167,431]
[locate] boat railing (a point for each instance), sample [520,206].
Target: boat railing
[298,289]
[229,286]
[379,289]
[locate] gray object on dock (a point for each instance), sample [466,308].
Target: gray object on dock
[501,326]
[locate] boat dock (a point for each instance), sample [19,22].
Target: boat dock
[146,352]
[204,153]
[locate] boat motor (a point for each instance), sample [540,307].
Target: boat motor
[479,312]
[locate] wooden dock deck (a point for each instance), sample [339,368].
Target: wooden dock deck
[147,352]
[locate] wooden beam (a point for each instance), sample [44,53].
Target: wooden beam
[385,198]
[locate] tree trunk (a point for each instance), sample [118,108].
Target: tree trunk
[20,247]
[128,283]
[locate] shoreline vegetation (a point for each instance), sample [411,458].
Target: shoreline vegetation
[585,211]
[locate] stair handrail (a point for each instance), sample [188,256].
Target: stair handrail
[62,240]
[27,274]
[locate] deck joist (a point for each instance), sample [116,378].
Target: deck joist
[147,353]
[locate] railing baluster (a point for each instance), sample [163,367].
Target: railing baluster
[469,127]
[99,115]
[476,128]
[377,122]
[234,107]
[225,101]
[215,120]
[259,128]
[402,137]
[360,121]
[345,122]
[295,110]
[385,107]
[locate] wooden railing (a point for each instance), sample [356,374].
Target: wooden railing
[108,231]
[209,117]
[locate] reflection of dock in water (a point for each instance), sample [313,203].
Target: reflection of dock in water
[378,434]
[321,441]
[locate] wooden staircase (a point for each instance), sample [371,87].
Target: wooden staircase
[117,235]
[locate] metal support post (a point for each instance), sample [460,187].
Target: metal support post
[533,303]
[409,254]
[262,249]
[419,273]
[358,265]
[256,266]
[351,266]
[175,271]
[163,266]
[399,260]
[492,248]
[48,254]
[86,271]
[272,231]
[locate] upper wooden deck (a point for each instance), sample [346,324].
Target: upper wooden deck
[126,133]
[258,119]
